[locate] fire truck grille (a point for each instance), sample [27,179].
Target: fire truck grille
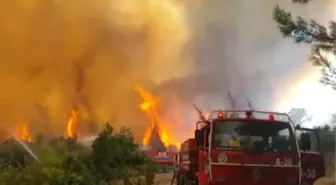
[249,175]
[255,174]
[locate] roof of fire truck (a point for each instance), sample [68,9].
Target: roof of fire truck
[246,114]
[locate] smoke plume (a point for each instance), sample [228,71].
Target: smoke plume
[236,47]
[87,55]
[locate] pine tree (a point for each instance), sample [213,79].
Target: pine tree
[323,41]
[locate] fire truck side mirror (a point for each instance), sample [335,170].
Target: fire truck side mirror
[305,142]
[199,137]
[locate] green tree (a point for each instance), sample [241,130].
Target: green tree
[58,167]
[117,157]
[327,136]
[12,154]
[114,157]
[323,41]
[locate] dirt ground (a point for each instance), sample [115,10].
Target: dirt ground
[163,178]
[329,180]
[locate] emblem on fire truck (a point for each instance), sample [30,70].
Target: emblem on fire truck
[162,154]
[222,158]
[256,174]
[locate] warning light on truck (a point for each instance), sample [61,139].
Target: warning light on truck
[220,115]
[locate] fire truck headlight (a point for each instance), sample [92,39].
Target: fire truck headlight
[222,158]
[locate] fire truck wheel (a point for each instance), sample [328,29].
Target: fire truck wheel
[189,182]
[184,180]
[196,182]
[164,169]
[180,180]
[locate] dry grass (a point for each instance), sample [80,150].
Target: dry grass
[330,170]
[163,178]
[329,180]
[160,179]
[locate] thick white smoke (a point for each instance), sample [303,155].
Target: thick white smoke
[236,47]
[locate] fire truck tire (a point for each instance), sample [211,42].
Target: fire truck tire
[185,180]
[160,168]
[164,169]
[180,180]
[196,182]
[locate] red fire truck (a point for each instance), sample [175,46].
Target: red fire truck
[163,159]
[242,147]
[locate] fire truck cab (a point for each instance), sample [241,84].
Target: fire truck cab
[241,147]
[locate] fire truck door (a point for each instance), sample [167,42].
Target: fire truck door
[312,161]
[312,166]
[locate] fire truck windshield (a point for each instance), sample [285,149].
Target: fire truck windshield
[267,136]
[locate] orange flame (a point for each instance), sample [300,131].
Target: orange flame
[72,124]
[149,106]
[21,131]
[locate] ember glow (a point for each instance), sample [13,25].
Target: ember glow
[149,106]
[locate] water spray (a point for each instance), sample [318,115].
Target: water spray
[24,145]
[232,100]
[31,153]
[249,104]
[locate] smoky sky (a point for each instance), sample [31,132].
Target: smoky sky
[88,55]
[85,55]
[236,47]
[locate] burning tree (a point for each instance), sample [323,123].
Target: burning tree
[156,136]
[72,124]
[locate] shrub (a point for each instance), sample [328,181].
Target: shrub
[114,157]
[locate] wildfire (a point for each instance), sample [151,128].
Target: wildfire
[21,131]
[149,105]
[72,124]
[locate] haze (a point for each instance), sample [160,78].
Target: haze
[88,55]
